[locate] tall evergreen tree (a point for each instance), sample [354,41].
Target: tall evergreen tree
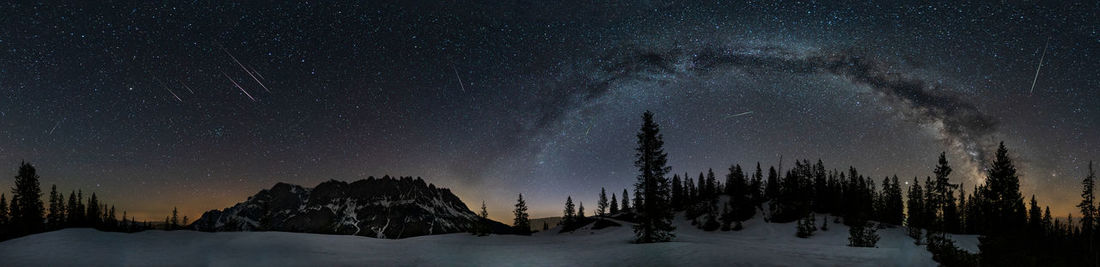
[941,199]
[56,211]
[482,222]
[740,204]
[1001,244]
[614,204]
[691,192]
[677,192]
[26,202]
[895,205]
[755,186]
[916,209]
[1048,221]
[112,221]
[654,223]
[4,216]
[1089,213]
[580,212]
[1088,204]
[713,184]
[73,218]
[626,202]
[176,219]
[521,223]
[1035,218]
[569,214]
[771,189]
[601,205]
[93,215]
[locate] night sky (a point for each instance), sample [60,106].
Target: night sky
[199,105]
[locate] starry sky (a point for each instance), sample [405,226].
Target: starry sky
[198,105]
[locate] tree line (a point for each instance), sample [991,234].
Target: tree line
[26,213]
[1011,233]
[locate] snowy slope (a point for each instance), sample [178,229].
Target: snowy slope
[760,244]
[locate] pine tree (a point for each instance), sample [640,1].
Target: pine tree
[4,216]
[690,192]
[483,221]
[737,186]
[570,212]
[755,186]
[1035,219]
[1089,212]
[677,192]
[580,213]
[175,222]
[771,192]
[806,226]
[56,212]
[712,184]
[614,205]
[81,209]
[1048,222]
[111,220]
[93,214]
[916,209]
[895,205]
[521,223]
[940,200]
[1088,204]
[26,202]
[655,211]
[771,189]
[601,205]
[625,207]
[185,219]
[1001,244]
[1003,192]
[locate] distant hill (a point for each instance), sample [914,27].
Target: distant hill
[383,208]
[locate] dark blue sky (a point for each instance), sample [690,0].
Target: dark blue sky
[138,101]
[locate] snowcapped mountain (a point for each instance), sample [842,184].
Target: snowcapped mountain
[383,208]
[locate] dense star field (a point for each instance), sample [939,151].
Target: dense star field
[200,105]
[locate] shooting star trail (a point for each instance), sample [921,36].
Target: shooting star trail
[738,115]
[1036,79]
[463,86]
[590,124]
[246,70]
[55,126]
[187,87]
[169,89]
[239,87]
[258,74]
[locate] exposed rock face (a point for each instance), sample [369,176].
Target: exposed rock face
[382,208]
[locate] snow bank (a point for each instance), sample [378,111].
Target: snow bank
[759,244]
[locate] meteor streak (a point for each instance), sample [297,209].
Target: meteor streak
[246,70]
[169,89]
[55,126]
[738,115]
[239,87]
[188,88]
[459,79]
[1033,80]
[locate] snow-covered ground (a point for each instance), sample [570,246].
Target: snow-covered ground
[759,244]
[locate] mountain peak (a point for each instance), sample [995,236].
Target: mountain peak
[377,207]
